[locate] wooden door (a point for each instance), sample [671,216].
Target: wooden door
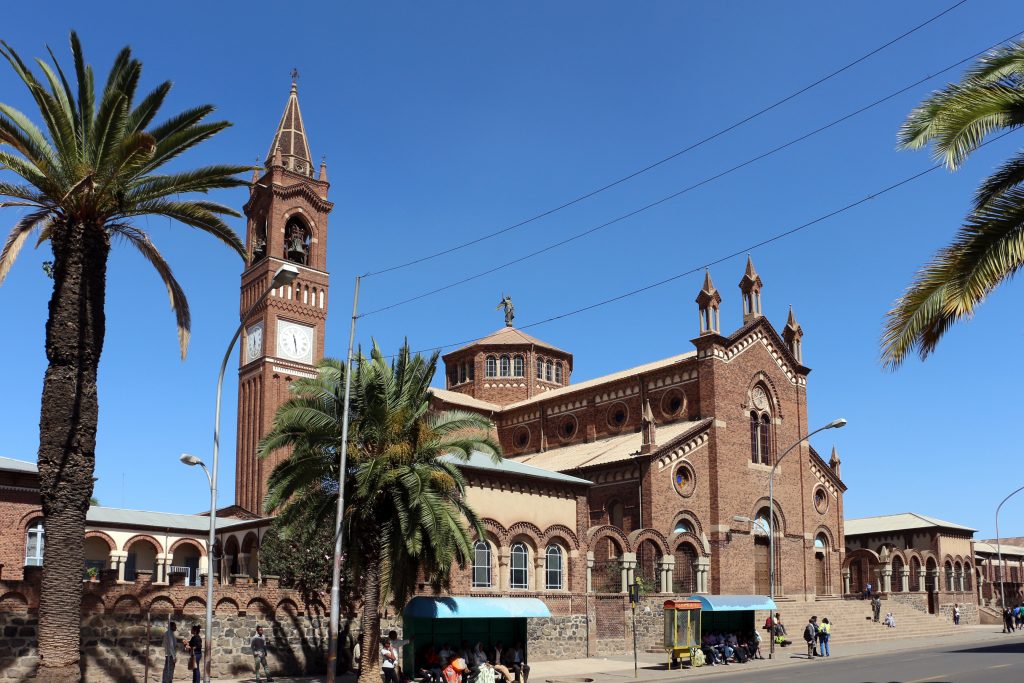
[762,567]
[856,578]
[821,580]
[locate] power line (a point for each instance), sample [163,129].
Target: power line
[739,252]
[684,190]
[672,156]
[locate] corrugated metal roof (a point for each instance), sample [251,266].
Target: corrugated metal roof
[11,465]
[98,515]
[482,461]
[991,549]
[474,608]
[602,451]
[734,603]
[460,399]
[904,521]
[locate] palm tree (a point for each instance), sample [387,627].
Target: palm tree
[989,247]
[405,508]
[82,184]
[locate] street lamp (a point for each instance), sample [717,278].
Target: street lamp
[284,275]
[834,424]
[999,551]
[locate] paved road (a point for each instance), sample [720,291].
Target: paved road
[992,661]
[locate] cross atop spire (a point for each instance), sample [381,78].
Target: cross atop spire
[290,139]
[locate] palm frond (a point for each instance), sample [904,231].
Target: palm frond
[17,238]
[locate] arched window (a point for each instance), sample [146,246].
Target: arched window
[296,241]
[549,371]
[471,370]
[481,565]
[820,542]
[462,372]
[760,438]
[518,366]
[558,373]
[968,577]
[949,576]
[518,574]
[553,568]
[540,368]
[765,442]
[682,527]
[492,366]
[755,425]
[506,366]
[34,542]
[615,514]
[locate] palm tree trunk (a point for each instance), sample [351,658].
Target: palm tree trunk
[369,638]
[67,439]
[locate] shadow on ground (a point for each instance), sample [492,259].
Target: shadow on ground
[1015,647]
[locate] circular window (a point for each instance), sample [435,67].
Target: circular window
[567,429]
[618,413]
[672,403]
[521,437]
[683,479]
[820,500]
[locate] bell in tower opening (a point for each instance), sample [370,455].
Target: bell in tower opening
[259,239]
[296,242]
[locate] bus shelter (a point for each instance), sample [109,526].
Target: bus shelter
[731,613]
[434,621]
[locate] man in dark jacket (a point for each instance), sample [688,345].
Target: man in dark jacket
[811,636]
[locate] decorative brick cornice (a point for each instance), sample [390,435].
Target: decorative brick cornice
[684,444]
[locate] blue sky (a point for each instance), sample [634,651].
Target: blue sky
[442,121]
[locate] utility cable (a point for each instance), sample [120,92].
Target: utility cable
[739,252]
[684,190]
[672,156]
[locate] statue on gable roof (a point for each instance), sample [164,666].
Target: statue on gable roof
[510,310]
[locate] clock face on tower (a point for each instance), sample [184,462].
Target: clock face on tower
[295,342]
[254,342]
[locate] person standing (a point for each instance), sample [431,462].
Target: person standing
[170,644]
[811,636]
[259,654]
[195,648]
[956,614]
[876,607]
[388,661]
[824,633]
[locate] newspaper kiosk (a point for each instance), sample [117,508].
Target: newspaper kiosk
[682,630]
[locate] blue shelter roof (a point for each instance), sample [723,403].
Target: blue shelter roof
[734,603]
[475,608]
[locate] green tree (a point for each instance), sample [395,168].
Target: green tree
[82,182]
[299,555]
[405,510]
[989,247]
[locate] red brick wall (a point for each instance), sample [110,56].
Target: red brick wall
[18,506]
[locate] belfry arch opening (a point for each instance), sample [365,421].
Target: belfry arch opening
[297,241]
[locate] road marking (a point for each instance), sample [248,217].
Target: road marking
[1000,666]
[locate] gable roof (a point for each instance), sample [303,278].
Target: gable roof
[460,399]
[904,521]
[12,465]
[603,451]
[483,462]
[992,549]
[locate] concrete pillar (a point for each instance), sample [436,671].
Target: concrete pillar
[702,566]
[886,583]
[628,572]
[667,566]
[905,580]
[504,578]
[960,581]
[162,562]
[846,581]
[539,579]
[922,576]
[590,571]
[118,561]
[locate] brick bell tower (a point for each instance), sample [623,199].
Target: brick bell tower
[284,337]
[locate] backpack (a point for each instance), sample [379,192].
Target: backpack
[698,658]
[768,624]
[810,632]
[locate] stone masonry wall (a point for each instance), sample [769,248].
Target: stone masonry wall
[123,626]
[557,637]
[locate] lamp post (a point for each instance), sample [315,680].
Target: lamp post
[999,551]
[282,277]
[834,424]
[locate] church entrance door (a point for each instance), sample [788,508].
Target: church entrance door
[762,566]
[821,580]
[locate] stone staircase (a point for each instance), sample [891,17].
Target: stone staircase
[852,623]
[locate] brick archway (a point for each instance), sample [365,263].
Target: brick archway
[111,545]
[142,537]
[188,541]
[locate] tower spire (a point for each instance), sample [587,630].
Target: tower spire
[708,301]
[793,335]
[751,285]
[290,139]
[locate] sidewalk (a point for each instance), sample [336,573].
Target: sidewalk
[652,667]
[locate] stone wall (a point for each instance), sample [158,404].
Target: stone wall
[557,637]
[968,612]
[123,625]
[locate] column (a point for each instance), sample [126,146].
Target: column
[667,567]
[539,581]
[905,580]
[204,568]
[628,561]
[846,581]
[922,575]
[160,570]
[981,592]
[886,571]
[118,560]
[504,553]
[703,568]
[590,571]
[960,581]
[243,563]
